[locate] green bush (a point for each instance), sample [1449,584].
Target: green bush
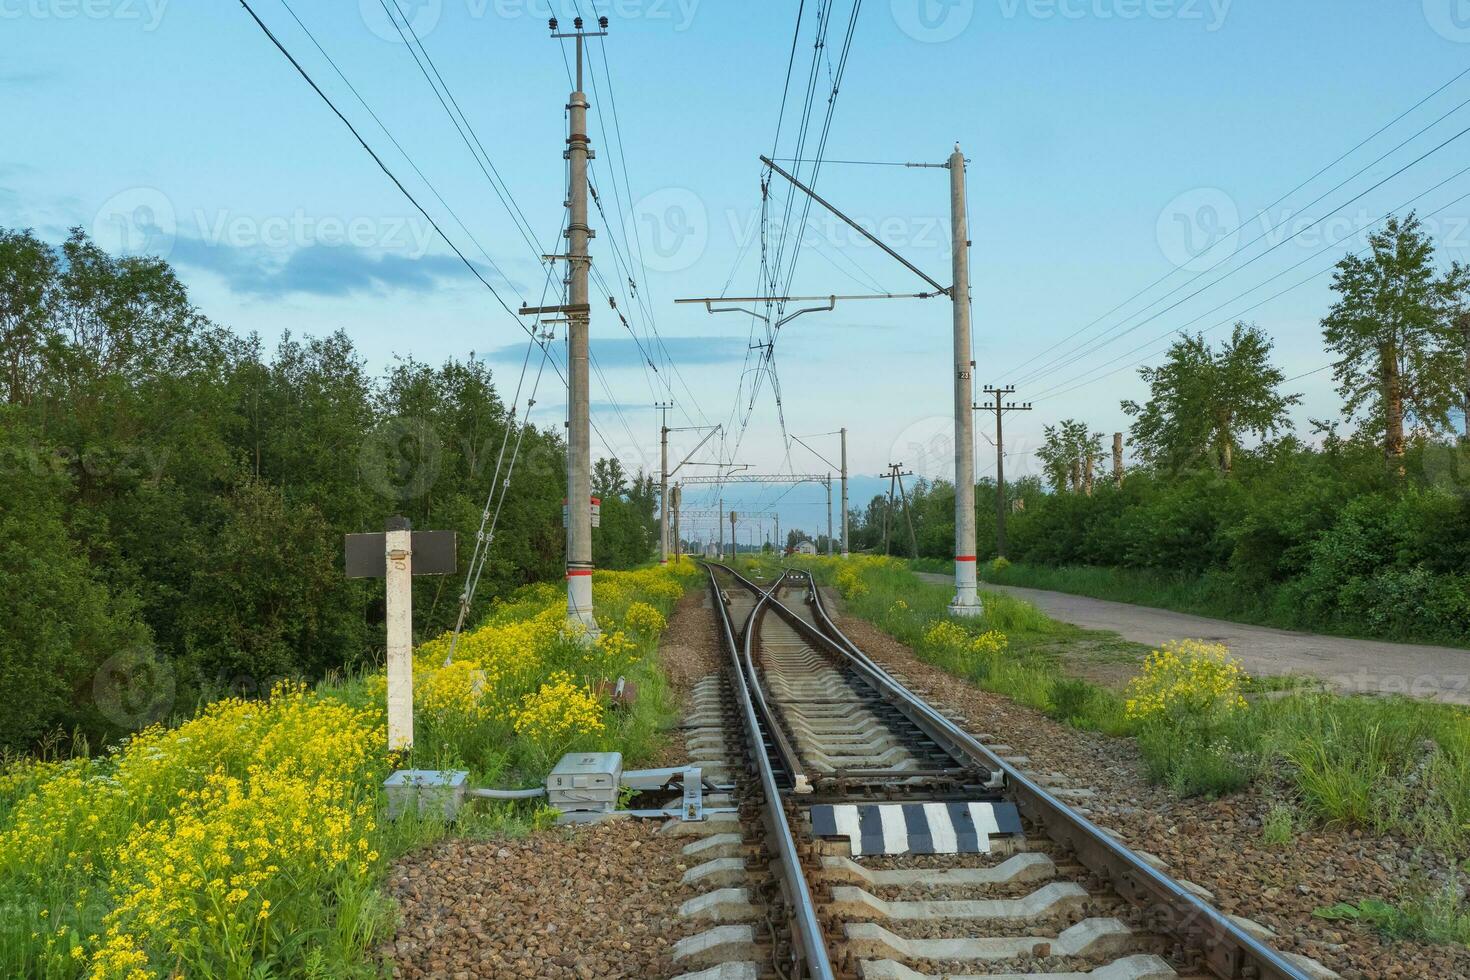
[1068,699]
[1197,762]
[1299,537]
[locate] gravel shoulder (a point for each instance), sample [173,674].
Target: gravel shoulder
[1215,843]
[690,647]
[583,903]
[1353,666]
[599,901]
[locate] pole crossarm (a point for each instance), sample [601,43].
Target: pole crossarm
[709,300]
[856,227]
[824,479]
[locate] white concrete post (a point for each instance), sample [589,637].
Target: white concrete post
[829,515]
[399,561]
[663,489]
[844,494]
[966,600]
[579,424]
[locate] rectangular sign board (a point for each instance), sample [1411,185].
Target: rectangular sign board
[596,512]
[434,553]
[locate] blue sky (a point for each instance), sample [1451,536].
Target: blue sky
[1109,140]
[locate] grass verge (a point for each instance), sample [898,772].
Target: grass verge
[1214,596]
[1389,765]
[246,842]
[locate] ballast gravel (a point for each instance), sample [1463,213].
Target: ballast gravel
[1215,843]
[598,901]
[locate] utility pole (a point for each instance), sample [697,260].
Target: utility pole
[578,312]
[1000,408]
[734,541]
[829,515]
[678,542]
[966,600]
[720,529]
[888,510]
[845,551]
[899,473]
[843,470]
[896,473]
[663,483]
[1118,460]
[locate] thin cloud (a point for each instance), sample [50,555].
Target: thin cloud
[27,79]
[625,352]
[320,270]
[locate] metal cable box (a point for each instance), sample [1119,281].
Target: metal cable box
[586,782]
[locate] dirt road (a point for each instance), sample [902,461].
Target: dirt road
[1353,666]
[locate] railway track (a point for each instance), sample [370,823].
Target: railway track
[884,842]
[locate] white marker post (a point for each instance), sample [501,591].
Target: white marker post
[398,557]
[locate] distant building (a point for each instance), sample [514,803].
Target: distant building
[806,548]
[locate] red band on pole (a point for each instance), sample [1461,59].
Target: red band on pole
[964,557]
[578,571]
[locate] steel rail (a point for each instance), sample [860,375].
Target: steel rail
[809,940]
[940,730]
[790,761]
[1229,951]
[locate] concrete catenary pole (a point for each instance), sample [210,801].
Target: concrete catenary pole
[398,544]
[966,601]
[579,426]
[663,484]
[829,515]
[845,551]
[678,542]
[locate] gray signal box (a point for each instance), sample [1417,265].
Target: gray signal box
[586,782]
[426,790]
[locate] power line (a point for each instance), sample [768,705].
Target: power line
[530,330]
[384,167]
[391,138]
[1241,227]
[1054,392]
[1083,352]
[497,183]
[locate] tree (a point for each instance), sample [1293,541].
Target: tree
[1068,454]
[172,488]
[27,279]
[1391,329]
[1202,401]
[59,623]
[1461,338]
